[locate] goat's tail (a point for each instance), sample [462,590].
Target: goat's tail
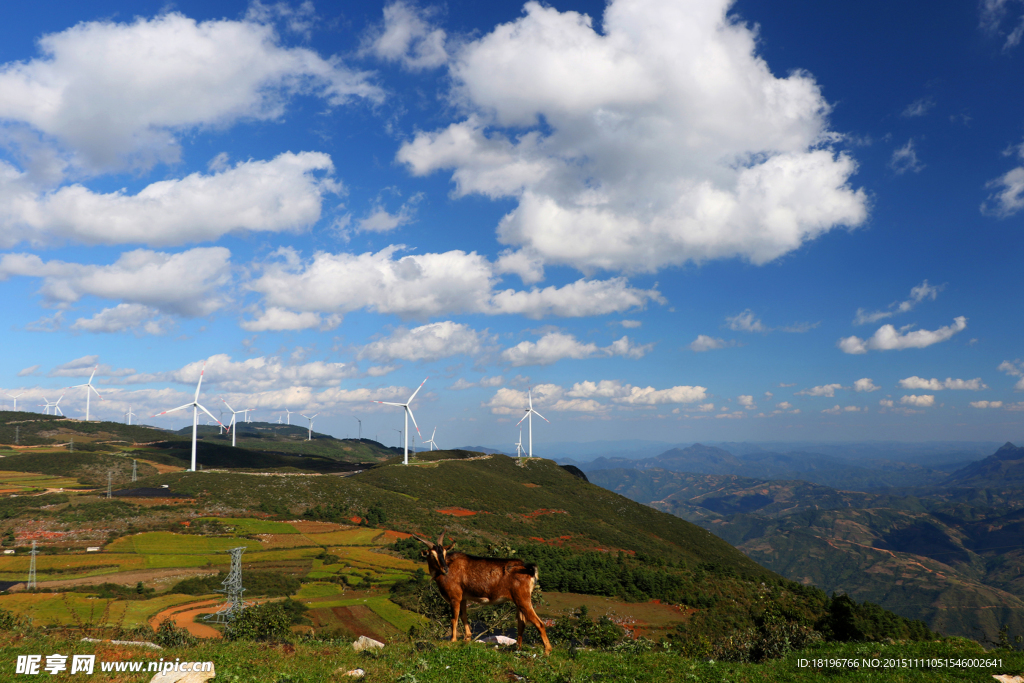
[530,570]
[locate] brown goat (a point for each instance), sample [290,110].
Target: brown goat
[463,578]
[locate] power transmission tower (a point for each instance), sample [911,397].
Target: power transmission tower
[135,470]
[232,589]
[17,436]
[31,585]
[71,446]
[110,481]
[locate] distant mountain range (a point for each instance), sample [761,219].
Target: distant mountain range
[943,546]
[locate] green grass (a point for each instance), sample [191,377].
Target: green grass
[167,543]
[317,590]
[246,525]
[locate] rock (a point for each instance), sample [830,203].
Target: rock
[364,643]
[499,640]
[1007,678]
[182,677]
[354,673]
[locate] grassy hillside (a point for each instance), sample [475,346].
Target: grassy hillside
[950,557]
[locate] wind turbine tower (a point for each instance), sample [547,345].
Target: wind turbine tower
[56,406]
[288,413]
[129,415]
[135,470]
[530,412]
[89,388]
[360,428]
[16,399]
[309,437]
[232,427]
[408,414]
[194,405]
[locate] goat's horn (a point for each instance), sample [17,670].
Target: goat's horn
[440,539]
[429,544]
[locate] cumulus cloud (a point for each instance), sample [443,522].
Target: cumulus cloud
[637,166]
[275,319]
[865,384]
[424,285]
[747,402]
[409,37]
[380,220]
[1007,197]
[585,395]
[917,295]
[745,322]
[260,374]
[905,159]
[924,401]
[29,371]
[886,403]
[555,346]
[933,384]
[887,338]
[705,343]
[1014,368]
[462,383]
[283,194]
[189,283]
[630,324]
[986,404]
[427,342]
[83,367]
[125,318]
[828,390]
[118,94]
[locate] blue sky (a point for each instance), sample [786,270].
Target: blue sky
[674,220]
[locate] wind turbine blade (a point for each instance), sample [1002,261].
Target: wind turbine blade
[541,417]
[229,407]
[93,374]
[434,434]
[210,414]
[417,389]
[529,397]
[414,419]
[521,422]
[386,403]
[201,373]
[187,405]
[94,391]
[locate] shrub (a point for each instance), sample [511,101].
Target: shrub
[269,621]
[169,635]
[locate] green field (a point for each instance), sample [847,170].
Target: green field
[247,525]
[167,543]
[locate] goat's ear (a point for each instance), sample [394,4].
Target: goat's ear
[448,548]
[424,553]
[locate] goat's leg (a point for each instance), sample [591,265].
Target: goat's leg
[532,617]
[455,620]
[520,627]
[465,620]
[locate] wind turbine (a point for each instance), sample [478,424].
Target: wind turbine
[408,414]
[232,427]
[16,399]
[89,388]
[129,415]
[530,412]
[309,437]
[360,428]
[289,414]
[55,406]
[194,405]
[433,446]
[519,445]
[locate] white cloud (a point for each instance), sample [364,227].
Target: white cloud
[918,107]
[933,384]
[652,396]
[905,159]
[630,324]
[555,346]
[121,94]
[513,402]
[408,36]
[1013,368]
[424,285]
[124,318]
[746,322]
[275,319]
[737,415]
[284,194]
[886,403]
[379,220]
[917,295]
[260,374]
[1008,196]
[189,283]
[993,12]
[640,165]
[834,410]
[381,370]
[428,342]
[986,404]
[495,381]
[527,265]
[510,401]
[705,343]
[886,338]
[747,402]
[29,371]
[865,384]
[828,390]
[924,401]
[83,367]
